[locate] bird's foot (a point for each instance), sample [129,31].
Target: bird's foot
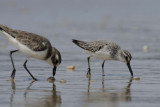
[35,79]
[88,75]
[51,79]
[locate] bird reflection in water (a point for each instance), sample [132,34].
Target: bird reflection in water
[109,94]
[51,99]
[13,86]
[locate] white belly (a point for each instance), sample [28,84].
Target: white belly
[35,54]
[103,55]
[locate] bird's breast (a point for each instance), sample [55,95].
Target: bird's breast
[35,54]
[103,55]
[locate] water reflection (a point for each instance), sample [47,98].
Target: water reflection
[27,89]
[45,98]
[109,93]
[13,86]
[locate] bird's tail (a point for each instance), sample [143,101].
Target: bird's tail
[3,28]
[5,31]
[80,43]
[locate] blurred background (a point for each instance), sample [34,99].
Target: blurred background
[133,24]
[59,20]
[85,19]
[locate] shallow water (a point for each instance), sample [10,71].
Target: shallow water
[131,24]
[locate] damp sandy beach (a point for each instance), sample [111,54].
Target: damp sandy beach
[134,25]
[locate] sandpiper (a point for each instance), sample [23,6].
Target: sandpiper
[105,50]
[32,45]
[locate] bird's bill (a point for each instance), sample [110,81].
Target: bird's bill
[54,70]
[130,69]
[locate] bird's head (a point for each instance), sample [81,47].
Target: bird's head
[125,56]
[55,59]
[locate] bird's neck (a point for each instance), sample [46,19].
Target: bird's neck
[120,55]
[49,61]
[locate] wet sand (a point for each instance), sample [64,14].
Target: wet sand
[131,24]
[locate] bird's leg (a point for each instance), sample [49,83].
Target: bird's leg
[28,70]
[89,81]
[103,68]
[88,59]
[14,70]
[88,73]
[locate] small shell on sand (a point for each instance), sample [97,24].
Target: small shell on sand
[92,81]
[51,79]
[145,48]
[62,81]
[136,78]
[70,68]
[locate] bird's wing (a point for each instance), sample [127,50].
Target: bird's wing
[96,45]
[33,41]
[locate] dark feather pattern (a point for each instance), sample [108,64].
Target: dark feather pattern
[96,45]
[33,41]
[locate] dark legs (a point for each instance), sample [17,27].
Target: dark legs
[88,58]
[14,70]
[103,76]
[103,68]
[28,70]
[89,69]
[89,81]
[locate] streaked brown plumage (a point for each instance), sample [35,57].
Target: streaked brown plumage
[105,50]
